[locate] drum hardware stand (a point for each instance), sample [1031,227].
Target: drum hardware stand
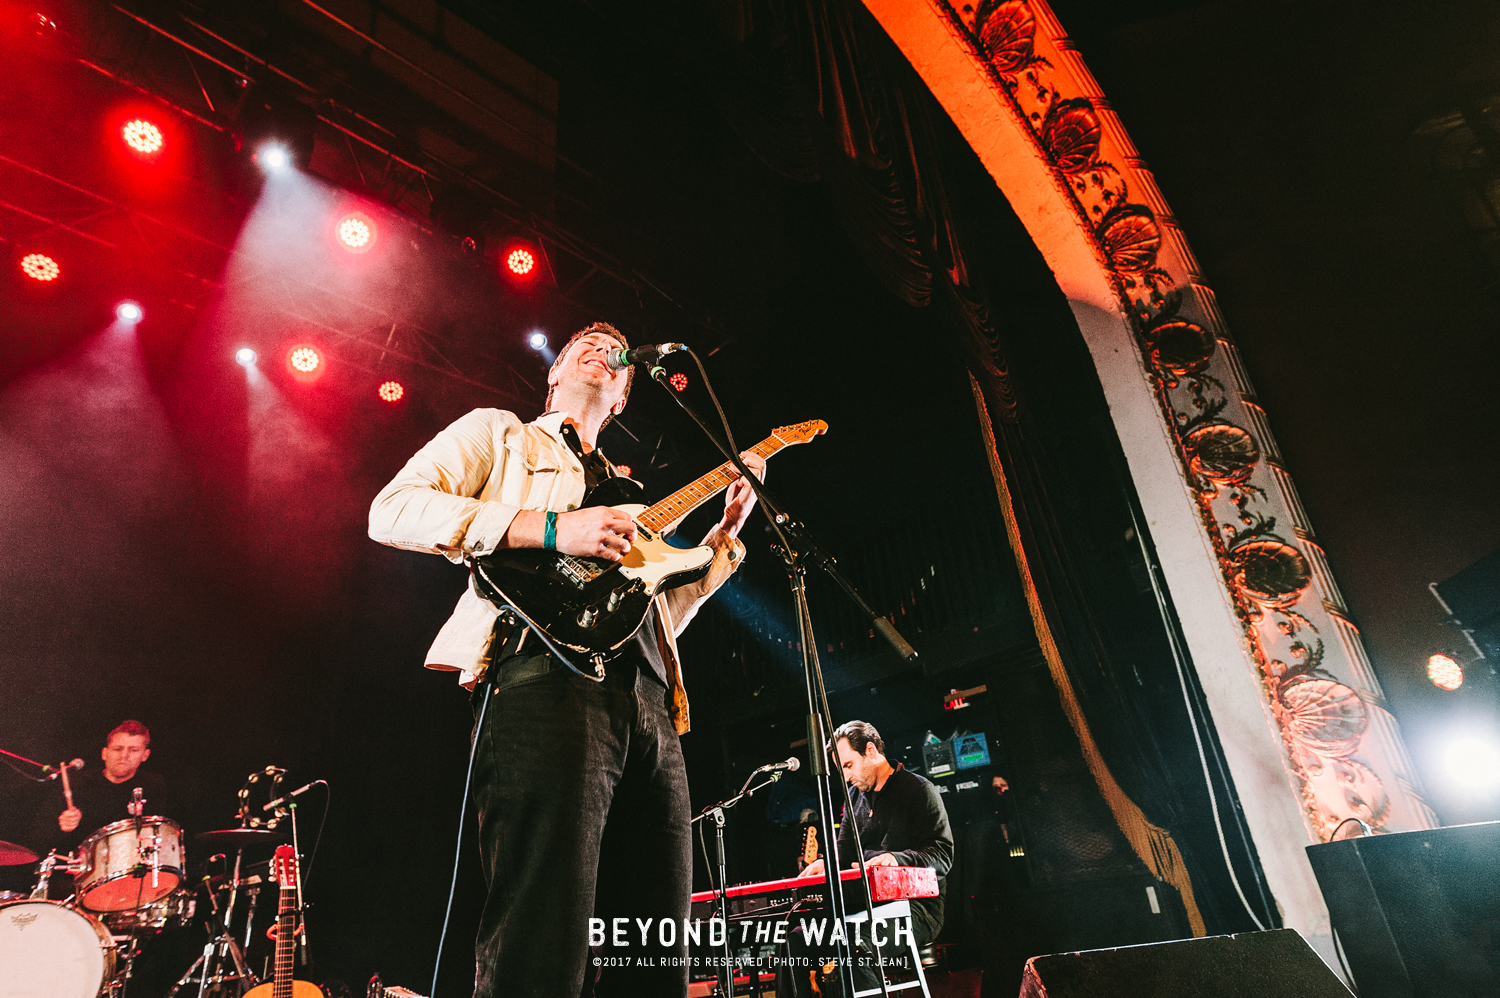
[716,811]
[129,948]
[798,549]
[54,860]
[254,895]
[214,951]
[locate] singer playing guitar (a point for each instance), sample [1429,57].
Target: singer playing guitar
[580,785]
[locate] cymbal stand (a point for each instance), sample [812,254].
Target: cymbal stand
[209,965]
[254,895]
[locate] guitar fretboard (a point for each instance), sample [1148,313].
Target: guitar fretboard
[286,942]
[688,498]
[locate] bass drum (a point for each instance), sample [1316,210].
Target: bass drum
[48,950]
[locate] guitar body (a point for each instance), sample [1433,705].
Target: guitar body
[594,606]
[588,604]
[299,989]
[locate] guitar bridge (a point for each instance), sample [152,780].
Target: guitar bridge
[578,571]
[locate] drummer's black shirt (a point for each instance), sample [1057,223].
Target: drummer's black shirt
[101,802]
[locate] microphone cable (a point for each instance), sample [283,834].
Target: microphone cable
[463,812]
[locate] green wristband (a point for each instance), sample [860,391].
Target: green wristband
[549,536]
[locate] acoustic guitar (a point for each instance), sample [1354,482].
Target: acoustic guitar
[284,867]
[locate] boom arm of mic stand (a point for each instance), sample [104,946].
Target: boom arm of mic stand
[805,549]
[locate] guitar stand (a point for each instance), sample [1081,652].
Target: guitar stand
[798,549]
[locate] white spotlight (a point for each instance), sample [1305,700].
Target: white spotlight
[245,357]
[273,157]
[1474,763]
[538,340]
[128,311]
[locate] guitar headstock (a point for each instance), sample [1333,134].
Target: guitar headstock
[284,867]
[800,433]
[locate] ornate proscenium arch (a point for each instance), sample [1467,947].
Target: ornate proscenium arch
[1299,712]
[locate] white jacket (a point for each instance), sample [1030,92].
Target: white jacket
[457,497]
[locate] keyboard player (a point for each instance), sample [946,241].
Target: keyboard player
[901,820]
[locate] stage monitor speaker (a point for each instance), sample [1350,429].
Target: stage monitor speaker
[1417,913]
[1278,963]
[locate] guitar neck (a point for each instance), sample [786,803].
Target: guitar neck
[688,498]
[286,943]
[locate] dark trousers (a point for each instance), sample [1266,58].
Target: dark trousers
[583,816]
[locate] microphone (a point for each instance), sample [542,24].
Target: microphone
[619,360]
[295,793]
[791,765]
[54,771]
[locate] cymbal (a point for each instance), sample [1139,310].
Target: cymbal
[12,854]
[240,838]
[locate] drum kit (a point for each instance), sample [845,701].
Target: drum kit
[131,883]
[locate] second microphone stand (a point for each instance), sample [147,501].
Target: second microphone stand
[716,811]
[798,550]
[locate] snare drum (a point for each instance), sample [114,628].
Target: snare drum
[49,949]
[130,863]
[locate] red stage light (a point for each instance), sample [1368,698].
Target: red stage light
[1445,673]
[678,381]
[142,136]
[623,469]
[391,391]
[40,267]
[520,261]
[304,360]
[356,232]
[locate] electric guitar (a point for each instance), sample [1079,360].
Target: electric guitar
[591,605]
[284,867]
[809,846]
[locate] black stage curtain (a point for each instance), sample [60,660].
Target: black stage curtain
[820,94]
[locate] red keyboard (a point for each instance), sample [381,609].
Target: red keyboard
[887,883]
[792,898]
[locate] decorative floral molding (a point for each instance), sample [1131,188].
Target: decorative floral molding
[1321,702]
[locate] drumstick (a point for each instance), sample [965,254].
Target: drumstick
[67,788]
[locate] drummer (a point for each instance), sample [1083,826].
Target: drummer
[101,795]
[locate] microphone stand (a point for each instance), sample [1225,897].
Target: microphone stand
[717,812]
[39,765]
[798,549]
